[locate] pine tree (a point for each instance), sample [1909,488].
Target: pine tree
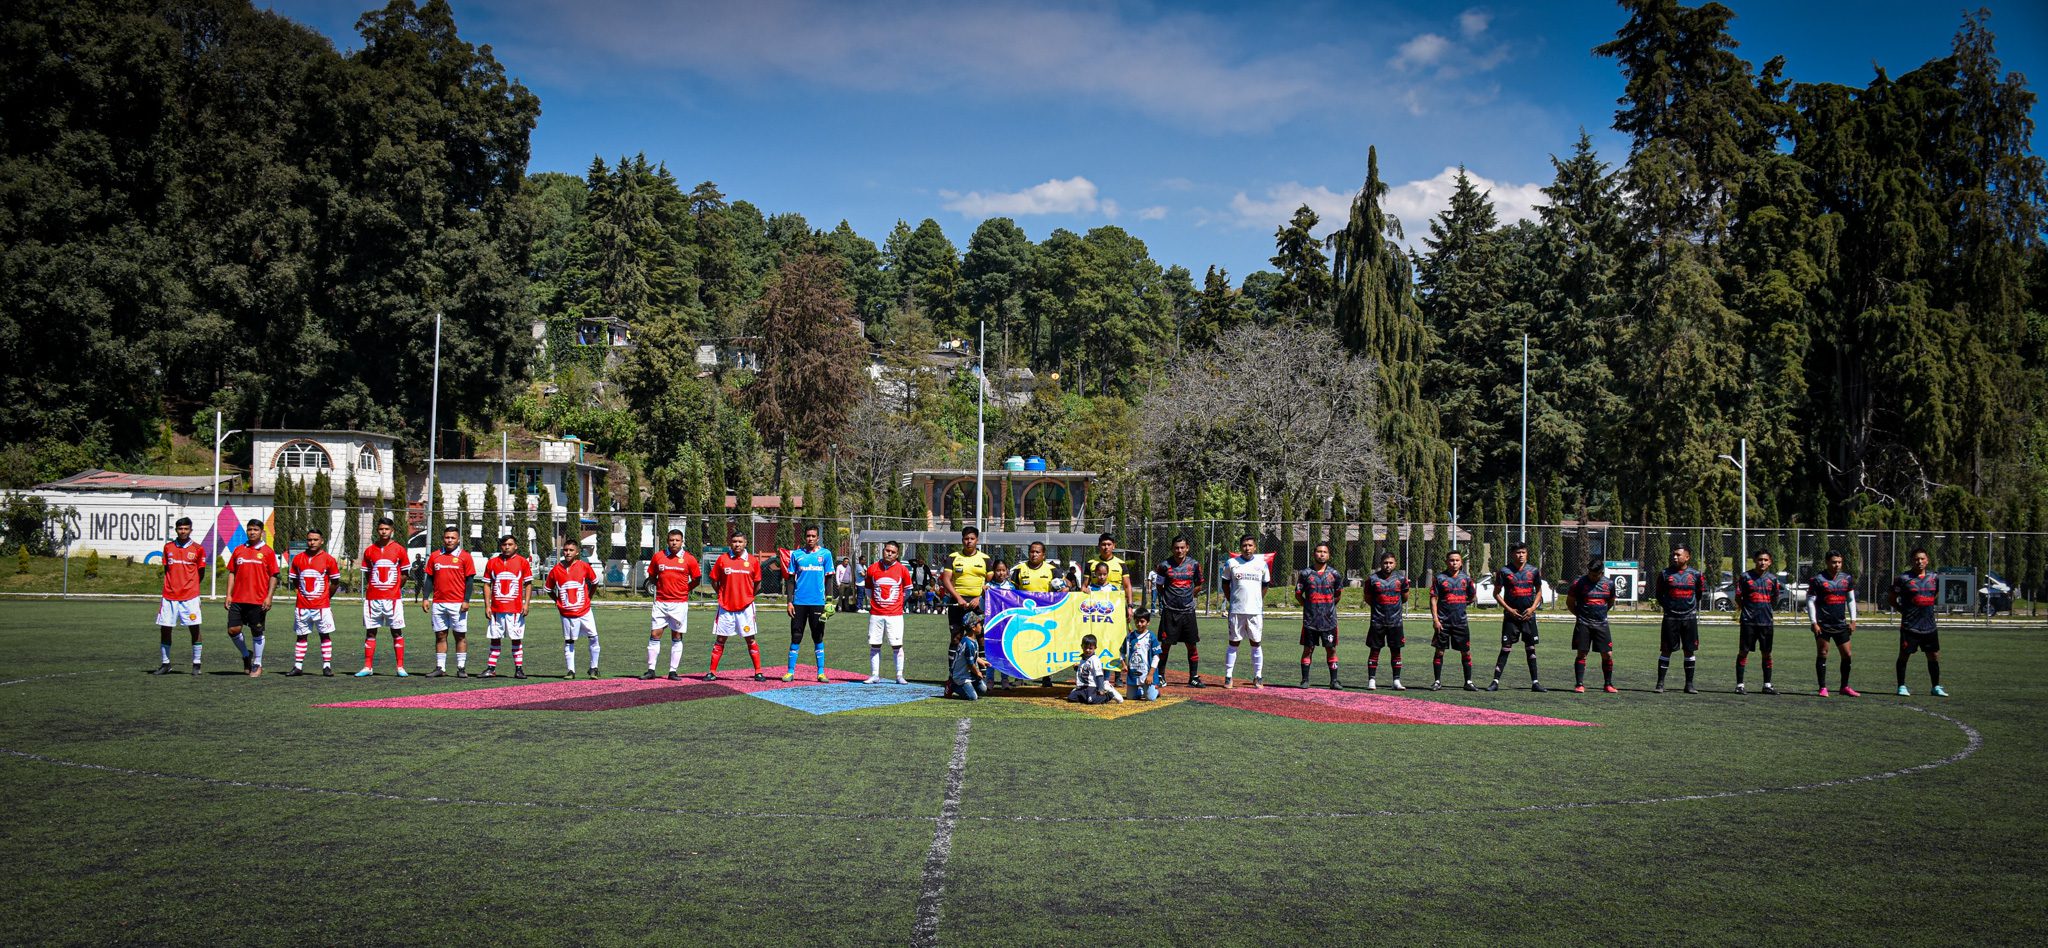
[401,502]
[657,490]
[1282,564]
[1340,526]
[352,520]
[493,525]
[548,530]
[829,514]
[604,536]
[284,506]
[462,517]
[320,505]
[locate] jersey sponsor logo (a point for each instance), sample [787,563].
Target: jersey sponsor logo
[312,583]
[572,595]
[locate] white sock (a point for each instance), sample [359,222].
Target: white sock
[593,650]
[462,659]
[899,663]
[569,655]
[1258,661]
[259,649]
[441,661]
[653,653]
[195,653]
[240,646]
[163,651]
[675,655]
[1230,662]
[875,661]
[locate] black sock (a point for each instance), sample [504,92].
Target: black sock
[1607,668]
[1466,657]
[1372,664]
[1663,668]
[1194,663]
[1333,671]
[1933,671]
[1532,666]
[1500,664]
[1304,670]
[1437,667]
[1767,668]
[1904,657]
[1397,666]
[1579,670]
[1688,670]
[1741,666]
[1820,671]
[1845,672]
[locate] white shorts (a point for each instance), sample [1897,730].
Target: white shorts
[390,612]
[312,621]
[507,625]
[673,616]
[734,623]
[451,617]
[585,623]
[1247,627]
[176,612]
[889,627]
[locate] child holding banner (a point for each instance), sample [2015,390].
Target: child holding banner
[1091,683]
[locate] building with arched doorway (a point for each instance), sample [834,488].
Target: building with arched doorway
[949,494]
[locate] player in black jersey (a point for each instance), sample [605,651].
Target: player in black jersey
[1387,592]
[1450,593]
[1680,590]
[1518,587]
[1756,594]
[1590,599]
[1317,591]
[1177,579]
[1914,594]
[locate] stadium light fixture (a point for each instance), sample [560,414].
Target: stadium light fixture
[1742,465]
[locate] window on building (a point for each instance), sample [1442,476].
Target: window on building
[367,460]
[303,456]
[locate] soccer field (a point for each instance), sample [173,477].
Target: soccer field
[226,809]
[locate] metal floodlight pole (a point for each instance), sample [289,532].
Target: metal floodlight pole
[1454,498]
[980,422]
[433,432]
[504,484]
[1742,465]
[213,563]
[1524,538]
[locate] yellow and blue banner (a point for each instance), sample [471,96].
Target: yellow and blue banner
[1034,635]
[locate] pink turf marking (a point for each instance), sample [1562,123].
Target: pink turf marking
[603,694]
[1425,711]
[1275,703]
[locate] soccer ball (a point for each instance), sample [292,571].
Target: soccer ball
[1059,585]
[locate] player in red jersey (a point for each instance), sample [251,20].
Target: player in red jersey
[572,584]
[252,574]
[184,564]
[444,597]
[508,574]
[314,571]
[736,575]
[888,583]
[384,563]
[673,573]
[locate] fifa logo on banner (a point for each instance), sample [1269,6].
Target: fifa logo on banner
[1097,611]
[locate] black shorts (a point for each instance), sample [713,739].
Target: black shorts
[954,613]
[247,615]
[1385,636]
[1178,627]
[1757,638]
[1680,633]
[813,616]
[1454,637]
[1911,641]
[1517,630]
[1310,638]
[1838,634]
[1592,637]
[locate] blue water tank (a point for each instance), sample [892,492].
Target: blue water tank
[1034,463]
[1013,463]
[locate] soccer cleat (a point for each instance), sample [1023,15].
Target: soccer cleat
[1194,681]
[462,671]
[195,669]
[823,680]
[1229,683]
[1740,690]
[1940,692]
[569,675]
[1537,686]
[647,675]
[365,673]
[1691,690]
[1848,692]
[1372,684]
[872,680]
[902,680]
[163,669]
[1578,689]
[1495,686]
[519,671]
[489,673]
[710,676]
[675,676]
[255,671]
[789,676]
[1610,689]
[1660,690]
[1469,686]
[438,673]
[1437,685]
[1398,686]
[1905,692]
[1336,685]
[295,672]
[1259,683]
[327,670]
[593,673]
[760,677]
[1768,689]
[1823,691]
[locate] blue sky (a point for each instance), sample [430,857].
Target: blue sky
[1199,127]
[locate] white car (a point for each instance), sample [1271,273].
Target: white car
[1483,592]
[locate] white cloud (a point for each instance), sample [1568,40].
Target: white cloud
[1154,213]
[1414,203]
[1423,50]
[1190,68]
[1474,22]
[1075,195]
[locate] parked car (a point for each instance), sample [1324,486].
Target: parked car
[1788,600]
[1483,592]
[1995,596]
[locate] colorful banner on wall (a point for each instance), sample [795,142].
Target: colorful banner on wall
[1033,635]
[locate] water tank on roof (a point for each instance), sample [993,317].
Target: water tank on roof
[1034,463]
[1013,463]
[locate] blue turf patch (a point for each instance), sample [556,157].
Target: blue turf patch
[828,699]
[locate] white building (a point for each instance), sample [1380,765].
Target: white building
[522,474]
[303,453]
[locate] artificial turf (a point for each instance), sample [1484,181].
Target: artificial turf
[232,810]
